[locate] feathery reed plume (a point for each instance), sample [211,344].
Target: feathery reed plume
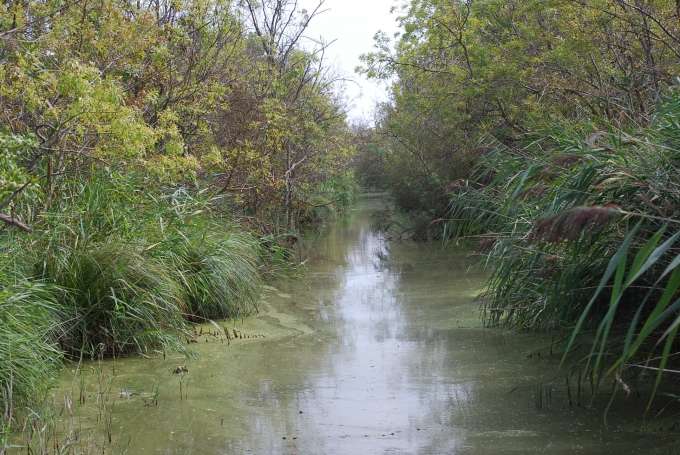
[573,223]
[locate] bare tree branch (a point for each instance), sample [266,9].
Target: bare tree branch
[13,221]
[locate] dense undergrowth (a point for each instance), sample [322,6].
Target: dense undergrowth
[546,133]
[111,273]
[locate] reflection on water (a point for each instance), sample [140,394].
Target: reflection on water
[378,350]
[368,395]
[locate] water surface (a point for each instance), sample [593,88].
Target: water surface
[378,349]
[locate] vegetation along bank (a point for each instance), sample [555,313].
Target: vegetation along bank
[157,160]
[548,132]
[159,157]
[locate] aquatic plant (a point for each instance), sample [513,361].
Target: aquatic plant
[653,328]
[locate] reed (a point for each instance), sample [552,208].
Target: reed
[28,355]
[217,272]
[580,229]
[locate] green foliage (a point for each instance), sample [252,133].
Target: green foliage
[14,178]
[192,91]
[328,198]
[375,162]
[115,269]
[465,71]
[12,174]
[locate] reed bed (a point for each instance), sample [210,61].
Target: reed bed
[114,270]
[579,224]
[28,354]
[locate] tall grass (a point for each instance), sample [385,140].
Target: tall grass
[217,272]
[217,264]
[114,299]
[579,224]
[537,277]
[28,355]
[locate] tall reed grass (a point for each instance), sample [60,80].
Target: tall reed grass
[217,272]
[29,315]
[579,224]
[115,268]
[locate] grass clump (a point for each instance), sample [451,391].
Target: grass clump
[217,272]
[114,299]
[28,355]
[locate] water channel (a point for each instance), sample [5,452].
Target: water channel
[377,349]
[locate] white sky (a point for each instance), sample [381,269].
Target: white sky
[353,23]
